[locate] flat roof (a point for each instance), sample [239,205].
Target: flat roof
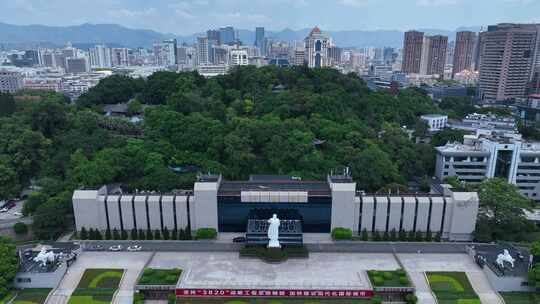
[314,188]
[490,252]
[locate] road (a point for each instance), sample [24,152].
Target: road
[362,247]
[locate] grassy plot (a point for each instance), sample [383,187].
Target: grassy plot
[32,296]
[452,288]
[97,286]
[395,278]
[520,297]
[152,276]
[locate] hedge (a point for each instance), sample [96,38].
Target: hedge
[206,234]
[340,233]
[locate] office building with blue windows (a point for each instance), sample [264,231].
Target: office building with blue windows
[313,207]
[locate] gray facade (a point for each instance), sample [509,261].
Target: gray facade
[453,215]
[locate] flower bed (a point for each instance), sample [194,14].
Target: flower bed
[32,296]
[152,276]
[452,288]
[97,286]
[394,278]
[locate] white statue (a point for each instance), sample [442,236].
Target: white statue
[44,257]
[273,232]
[505,257]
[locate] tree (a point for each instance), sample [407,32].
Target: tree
[98,235]
[8,264]
[534,276]
[83,234]
[7,104]
[142,235]
[108,234]
[446,135]
[134,108]
[166,234]
[157,235]
[133,234]
[9,181]
[34,200]
[364,235]
[535,248]
[123,235]
[49,218]
[20,228]
[149,235]
[115,234]
[501,215]
[393,235]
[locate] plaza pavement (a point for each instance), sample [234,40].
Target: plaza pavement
[227,270]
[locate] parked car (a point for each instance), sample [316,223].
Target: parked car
[9,205]
[18,214]
[239,239]
[4,210]
[97,248]
[116,248]
[134,248]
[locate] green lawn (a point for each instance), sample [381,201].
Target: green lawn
[7,297]
[520,297]
[97,286]
[452,288]
[273,301]
[395,278]
[32,296]
[152,276]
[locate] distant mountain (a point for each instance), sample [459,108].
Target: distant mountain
[84,33]
[112,34]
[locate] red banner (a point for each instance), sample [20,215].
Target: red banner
[271,293]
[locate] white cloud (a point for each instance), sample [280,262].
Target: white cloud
[124,12]
[354,3]
[436,3]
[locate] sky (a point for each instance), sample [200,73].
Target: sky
[185,17]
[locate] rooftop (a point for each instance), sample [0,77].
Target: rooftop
[490,253]
[314,188]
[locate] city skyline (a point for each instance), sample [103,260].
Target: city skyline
[194,16]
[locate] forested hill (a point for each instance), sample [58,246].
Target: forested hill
[252,121]
[269,120]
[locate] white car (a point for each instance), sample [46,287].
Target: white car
[116,248]
[134,248]
[4,210]
[18,214]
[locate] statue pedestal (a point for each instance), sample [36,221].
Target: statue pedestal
[274,244]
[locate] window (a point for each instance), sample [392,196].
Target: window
[24,280]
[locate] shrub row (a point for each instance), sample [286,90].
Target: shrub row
[115,234]
[401,236]
[340,233]
[206,234]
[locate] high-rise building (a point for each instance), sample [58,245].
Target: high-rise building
[316,45]
[213,35]
[32,56]
[260,40]
[202,51]
[165,52]
[239,57]
[509,55]
[299,56]
[76,65]
[120,57]
[433,56]
[388,55]
[226,35]
[412,52]
[334,55]
[464,51]
[100,57]
[10,81]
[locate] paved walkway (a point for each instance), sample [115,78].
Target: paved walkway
[483,288]
[133,263]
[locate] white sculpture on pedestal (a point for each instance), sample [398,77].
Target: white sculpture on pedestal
[273,232]
[505,257]
[44,257]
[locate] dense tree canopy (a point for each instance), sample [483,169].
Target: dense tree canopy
[8,265]
[297,121]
